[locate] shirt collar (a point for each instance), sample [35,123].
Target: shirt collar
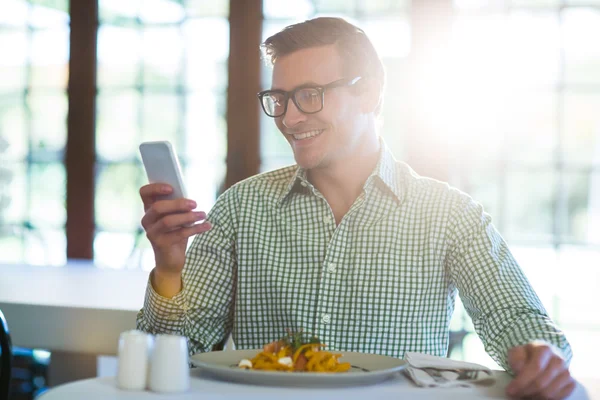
[385,172]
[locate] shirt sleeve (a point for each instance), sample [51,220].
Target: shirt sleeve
[203,310]
[505,310]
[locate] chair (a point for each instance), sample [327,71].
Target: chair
[6,358]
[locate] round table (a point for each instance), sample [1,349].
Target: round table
[202,387]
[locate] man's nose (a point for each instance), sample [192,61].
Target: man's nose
[292,116]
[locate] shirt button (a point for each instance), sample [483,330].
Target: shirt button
[327,220]
[331,267]
[302,183]
[326,318]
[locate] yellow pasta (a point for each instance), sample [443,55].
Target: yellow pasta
[293,354]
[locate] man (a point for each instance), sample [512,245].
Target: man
[348,245]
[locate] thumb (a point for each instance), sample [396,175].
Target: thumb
[516,358]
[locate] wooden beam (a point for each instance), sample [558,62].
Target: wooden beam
[243,126]
[80,153]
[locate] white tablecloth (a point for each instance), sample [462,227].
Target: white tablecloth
[398,387]
[82,309]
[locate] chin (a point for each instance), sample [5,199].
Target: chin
[310,163]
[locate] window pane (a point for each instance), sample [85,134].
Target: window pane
[383,7]
[119,55]
[300,9]
[529,121]
[162,50]
[484,183]
[203,8]
[579,295]
[582,51]
[480,5]
[161,117]
[50,58]
[34,38]
[13,130]
[206,66]
[349,8]
[112,249]
[583,2]
[581,136]
[540,265]
[533,54]
[48,124]
[45,247]
[530,199]
[117,127]
[205,128]
[536,3]
[15,207]
[14,13]
[577,216]
[14,59]
[593,228]
[161,12]
[49,181]
[118,206]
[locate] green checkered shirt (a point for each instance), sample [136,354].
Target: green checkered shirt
[384,281]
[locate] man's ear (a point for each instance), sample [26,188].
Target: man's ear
[370,96]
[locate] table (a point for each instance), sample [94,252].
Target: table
[75,308]
[206,388]
[76,311]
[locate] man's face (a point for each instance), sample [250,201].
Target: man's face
[334,133]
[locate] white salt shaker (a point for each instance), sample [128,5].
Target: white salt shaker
[133,360]
[169,365]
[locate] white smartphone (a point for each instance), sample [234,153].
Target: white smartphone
[162,166]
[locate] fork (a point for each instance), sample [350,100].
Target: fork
[463,374]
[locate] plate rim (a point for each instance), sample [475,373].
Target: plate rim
[304,376]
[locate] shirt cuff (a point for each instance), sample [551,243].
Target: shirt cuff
[161,314]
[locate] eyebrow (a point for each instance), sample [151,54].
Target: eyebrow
[303,85]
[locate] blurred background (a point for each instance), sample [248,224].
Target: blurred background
[500,98]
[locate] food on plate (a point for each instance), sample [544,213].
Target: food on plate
[296,352]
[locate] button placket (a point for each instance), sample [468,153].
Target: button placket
[331,267]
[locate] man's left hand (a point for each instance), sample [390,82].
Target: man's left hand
[540,372]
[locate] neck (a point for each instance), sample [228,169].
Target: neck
[343,180]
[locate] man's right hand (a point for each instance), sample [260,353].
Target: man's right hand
[168,225]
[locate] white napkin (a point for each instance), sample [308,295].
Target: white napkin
[431,371]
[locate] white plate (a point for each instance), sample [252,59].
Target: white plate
[367,369]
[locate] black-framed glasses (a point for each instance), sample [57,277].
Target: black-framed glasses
[307,98]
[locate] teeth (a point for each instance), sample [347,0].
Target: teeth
[306,135]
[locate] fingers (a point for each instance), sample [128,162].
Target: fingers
[541,373]
[516,358]
[535,363]
[149,193]
[165,239]
[565,391]
[170,222]
[559,388]
[548,377]
[159,209]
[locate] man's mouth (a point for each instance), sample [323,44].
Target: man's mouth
[307,134]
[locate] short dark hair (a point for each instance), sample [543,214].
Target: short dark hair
[356,50]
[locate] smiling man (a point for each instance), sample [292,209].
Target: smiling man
[349,244]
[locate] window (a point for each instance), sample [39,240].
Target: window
[162,75]
[525,96]
[34,38]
